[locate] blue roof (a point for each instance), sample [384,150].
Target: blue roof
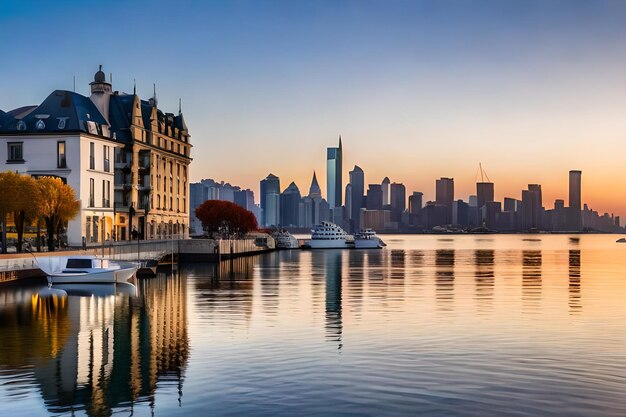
[61,111]
[120,115]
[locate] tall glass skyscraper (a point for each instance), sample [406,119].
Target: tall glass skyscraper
[270,200]
[334,183]
[357,190]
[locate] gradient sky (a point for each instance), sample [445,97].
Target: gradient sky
[417,89]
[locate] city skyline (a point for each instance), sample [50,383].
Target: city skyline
[528,91]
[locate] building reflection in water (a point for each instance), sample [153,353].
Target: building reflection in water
[32,327]
[104,351]
[355,275]
[484,276]
[334,324]
[225,288]
[531,280]
[444,277]
[269,271]
[575,305]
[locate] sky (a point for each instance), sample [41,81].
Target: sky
[416,89]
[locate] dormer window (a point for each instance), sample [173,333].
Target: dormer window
[21,125]
[62,122]
[40,125]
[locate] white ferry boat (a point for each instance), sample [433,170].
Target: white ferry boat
[285,240]
[368,239]
[329,236]
[85,270]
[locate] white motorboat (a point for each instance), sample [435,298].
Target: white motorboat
[328,235]
[285,240]
[368,239]
[85,270]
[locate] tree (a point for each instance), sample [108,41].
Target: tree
[57,205]
[8,201]
[225,218]
[27,210]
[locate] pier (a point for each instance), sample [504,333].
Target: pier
[21,267]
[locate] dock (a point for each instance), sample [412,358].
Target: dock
[22,267]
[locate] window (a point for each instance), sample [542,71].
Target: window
[106,193]
[15,152]
[61,161]
[107,161]
[171,204]
[91,192]
[158,202]
[92,155]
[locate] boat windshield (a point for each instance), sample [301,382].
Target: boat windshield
[78,263]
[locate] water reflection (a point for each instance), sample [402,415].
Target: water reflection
[98,349]
[531,280]
[425,327]
[484,260]
[334,324]
[444,277]
[574,281]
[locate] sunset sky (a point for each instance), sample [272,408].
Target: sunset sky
[417,89]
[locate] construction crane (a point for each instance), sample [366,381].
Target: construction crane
[483,173]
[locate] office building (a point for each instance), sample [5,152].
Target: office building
[444,196]
[386,191]
[289,206]
[270,200]
[374,200]
[484,193]
[334,183]
[357,185]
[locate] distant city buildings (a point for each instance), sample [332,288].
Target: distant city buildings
[209,189]
[383,206]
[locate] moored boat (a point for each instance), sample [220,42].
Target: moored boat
[285,240]
[85,270]
[368,239]
[328,235]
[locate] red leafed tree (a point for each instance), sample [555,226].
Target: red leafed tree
[225,218]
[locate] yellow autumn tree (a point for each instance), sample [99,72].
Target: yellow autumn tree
[8,201]
[57,205]
[27,201]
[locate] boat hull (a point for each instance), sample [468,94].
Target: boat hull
[110,276]
[329,244]
[368,244]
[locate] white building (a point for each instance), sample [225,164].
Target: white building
[65,137]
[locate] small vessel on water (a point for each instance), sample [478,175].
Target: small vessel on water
[285,240]
[85,270]
[368,239]
[621,240]
[328,235]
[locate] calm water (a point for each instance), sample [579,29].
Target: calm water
[491,325]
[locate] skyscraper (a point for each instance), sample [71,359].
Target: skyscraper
[398,201]
[575,189]
[289,206]
[314,189]
[348,202]
[357,183]
[574,217]
[334,183]
[444,196]
[386,193]
[415,202]
[374,197]
[484,193]
[532,207]
[270,200]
